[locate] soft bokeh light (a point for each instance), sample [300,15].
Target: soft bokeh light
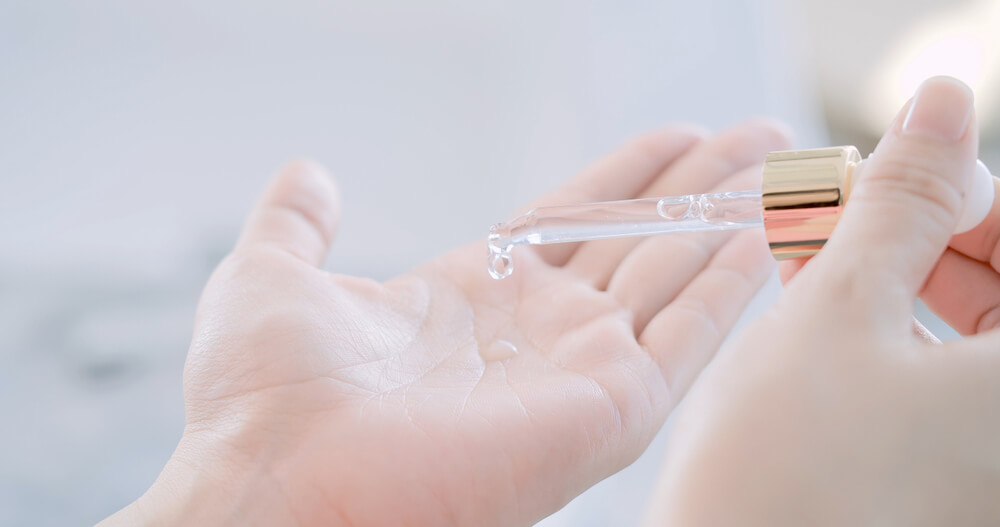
[961,42]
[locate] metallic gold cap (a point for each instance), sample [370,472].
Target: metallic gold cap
[803,193]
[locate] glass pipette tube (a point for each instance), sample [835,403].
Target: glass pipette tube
[617,219]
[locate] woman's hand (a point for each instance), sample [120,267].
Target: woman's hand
[321,399]
[830,410]
[964,288]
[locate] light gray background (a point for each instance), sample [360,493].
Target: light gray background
[134,136]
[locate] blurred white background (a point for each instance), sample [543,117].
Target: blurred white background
[135,135]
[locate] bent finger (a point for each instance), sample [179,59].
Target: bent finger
[964,292]
[983,242]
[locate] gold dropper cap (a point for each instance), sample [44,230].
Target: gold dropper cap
[803,193]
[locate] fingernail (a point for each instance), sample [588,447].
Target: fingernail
[941,110]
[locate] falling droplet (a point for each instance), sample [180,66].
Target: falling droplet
[501,264]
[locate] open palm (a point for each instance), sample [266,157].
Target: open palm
[443,396]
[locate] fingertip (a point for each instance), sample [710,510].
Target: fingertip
[306,186]
[298,213]
[941,110]
[311,176]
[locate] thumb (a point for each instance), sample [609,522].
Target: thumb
[298,214]
[906,199]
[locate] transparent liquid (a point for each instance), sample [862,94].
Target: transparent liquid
[618,219]
[498,350]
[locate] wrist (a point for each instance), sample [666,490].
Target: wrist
[199,489]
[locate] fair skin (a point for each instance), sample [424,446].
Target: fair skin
[830,410]
[322,399]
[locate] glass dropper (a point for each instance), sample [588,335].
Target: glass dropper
[803,194]
[617,219]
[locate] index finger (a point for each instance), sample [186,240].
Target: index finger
[980,243]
